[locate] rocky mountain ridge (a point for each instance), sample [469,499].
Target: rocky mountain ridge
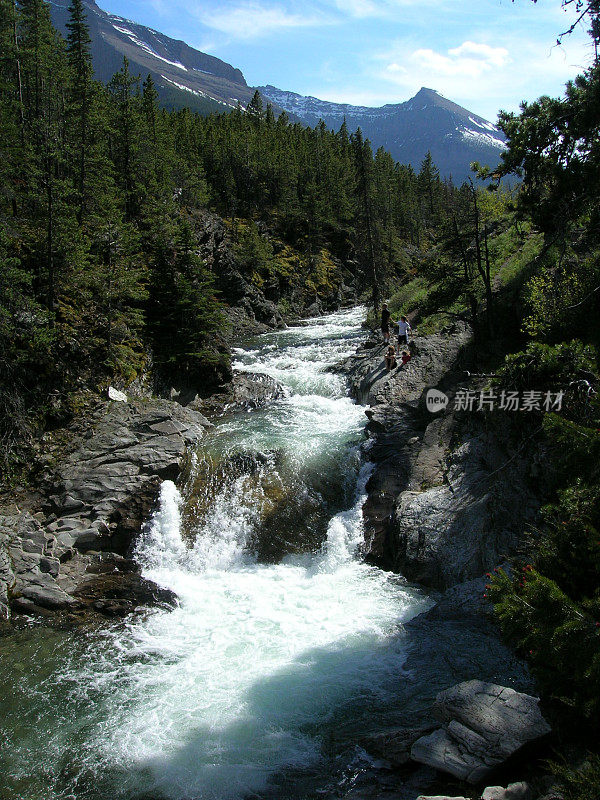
[186,77]
[454,136]
[183,75]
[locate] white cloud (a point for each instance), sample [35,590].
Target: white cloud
[251,20]
[477,74]
[361,9]
[495,56]
[469,60]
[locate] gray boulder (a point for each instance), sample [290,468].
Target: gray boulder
[515,791]
[7,577]
[486,724]
[456,531]
[26,570]
[100,495]
[104,489]
[394,745]
[246,391]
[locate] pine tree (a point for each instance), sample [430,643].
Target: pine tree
[367,239]
[80,62]
[44,153]
[255,110]
[429,185]
[11,106]
[126,136]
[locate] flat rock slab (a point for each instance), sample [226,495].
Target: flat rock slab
[104,488]
[438,797]
[515,791]
[486,724]
[101,492]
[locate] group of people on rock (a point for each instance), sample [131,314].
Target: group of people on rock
[402,330]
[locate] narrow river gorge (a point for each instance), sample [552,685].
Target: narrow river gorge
[285,646]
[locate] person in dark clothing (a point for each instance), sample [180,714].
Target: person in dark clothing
[385,323]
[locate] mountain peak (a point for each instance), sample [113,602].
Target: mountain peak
[424,91]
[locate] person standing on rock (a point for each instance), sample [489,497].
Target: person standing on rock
[403,331]
[385,323]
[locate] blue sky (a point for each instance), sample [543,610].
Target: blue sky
[484,54]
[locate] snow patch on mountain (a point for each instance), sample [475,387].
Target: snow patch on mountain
[146,47]
[481,123]
[311,106]
[478,137]
[197,92]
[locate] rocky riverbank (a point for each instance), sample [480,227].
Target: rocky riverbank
[66,548]
[447,501]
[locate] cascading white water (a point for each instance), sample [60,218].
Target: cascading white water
[259,662]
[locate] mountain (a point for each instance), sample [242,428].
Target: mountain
[185,77]
[428,121]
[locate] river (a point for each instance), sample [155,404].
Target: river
[285,645]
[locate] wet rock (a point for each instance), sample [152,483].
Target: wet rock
[486,724]
[246,391]
[7,577]
[43,591]
[26,573]
[394,746]
[383,418]
[122,592]
[256,390]
[441,508]
[50,565]
[105,489]
[314,310]
[101,493]
[463,601]
[456,531]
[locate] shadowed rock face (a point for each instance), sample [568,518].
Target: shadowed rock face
[442,506]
